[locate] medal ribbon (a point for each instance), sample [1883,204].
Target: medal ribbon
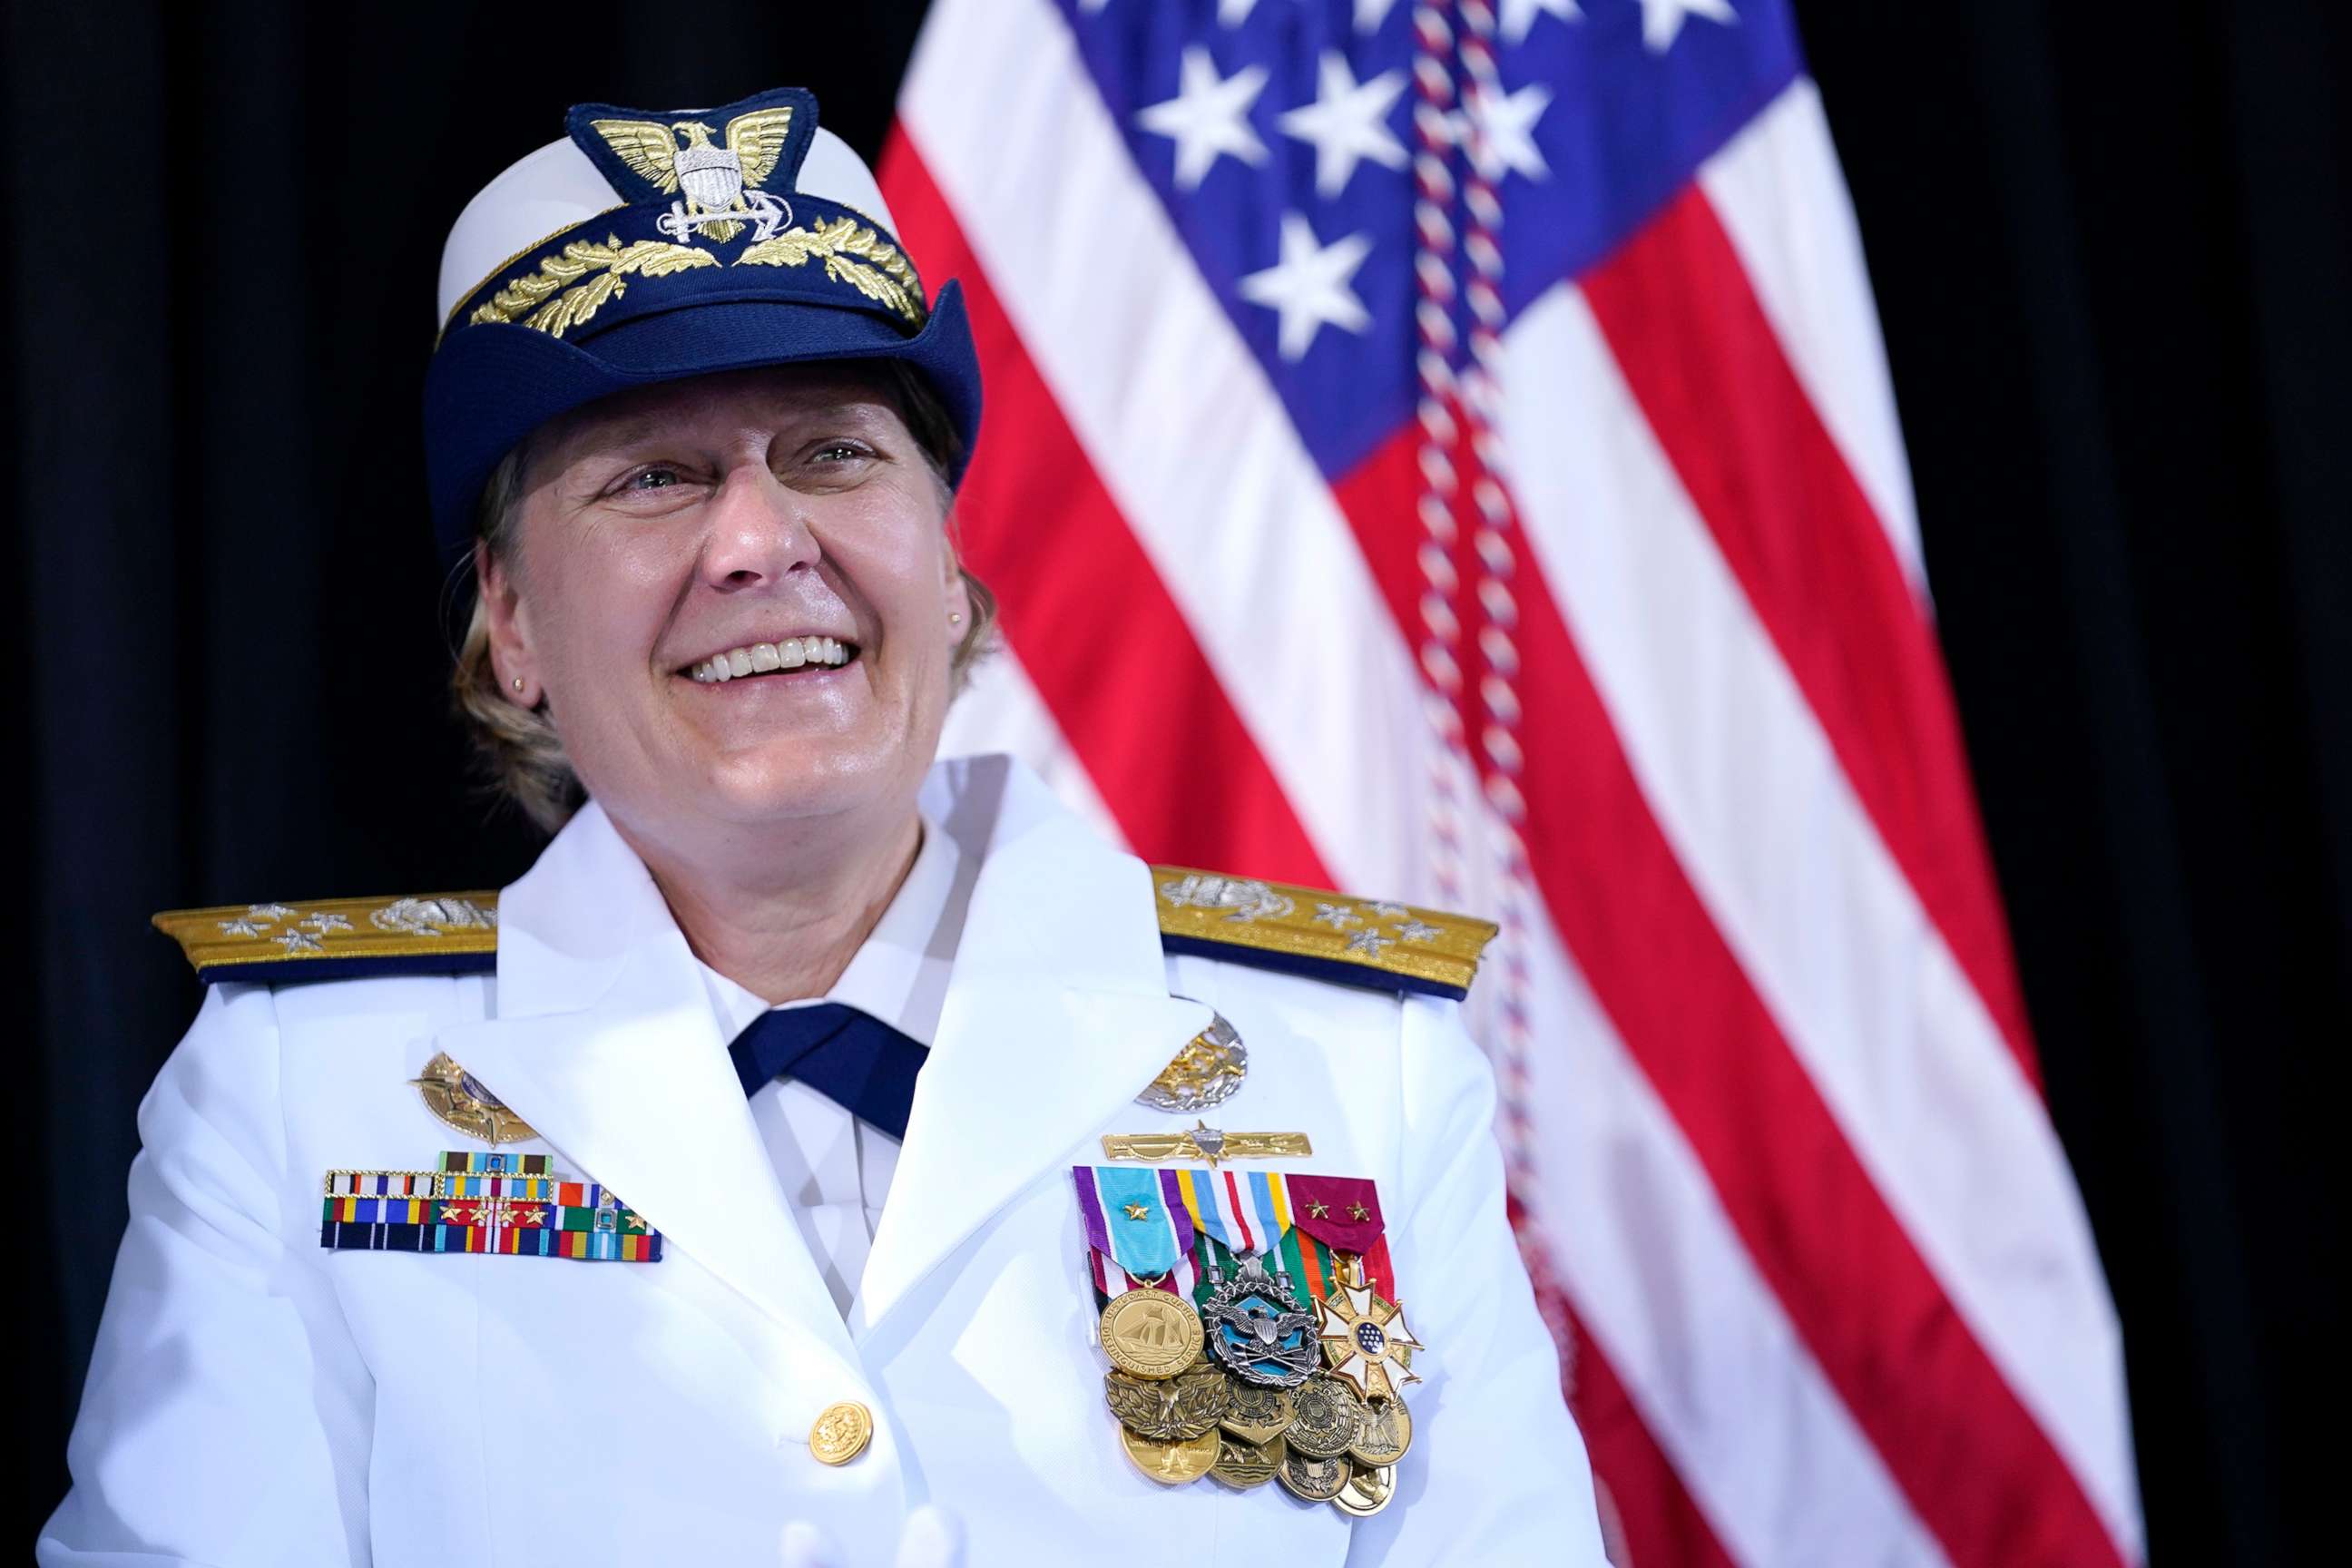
[1136,1218]
[1341,1211]
[1246,1212]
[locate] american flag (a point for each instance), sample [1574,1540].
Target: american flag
[1444,451]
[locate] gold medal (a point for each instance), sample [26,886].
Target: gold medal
[1325,1418]
[1316,1480]
[1368,1490]
[1172,1464]
[1242,1466]
[1151,1334]
[1172,1409]
[1256,1414]
[1383,1433]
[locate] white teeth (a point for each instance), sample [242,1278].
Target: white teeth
[759,658]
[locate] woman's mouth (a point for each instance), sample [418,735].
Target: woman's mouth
[772,658]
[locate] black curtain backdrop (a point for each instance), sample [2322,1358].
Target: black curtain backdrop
[2112,259]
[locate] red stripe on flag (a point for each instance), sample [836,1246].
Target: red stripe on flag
[1095,629]
[1979,1469]
[1642,1497]
[1683,323]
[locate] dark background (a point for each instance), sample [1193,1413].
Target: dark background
[2111,253]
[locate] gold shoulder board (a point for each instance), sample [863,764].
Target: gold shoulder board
[339,939]
[1325,936]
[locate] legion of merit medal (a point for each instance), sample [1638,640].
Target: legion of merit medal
[1251,1325]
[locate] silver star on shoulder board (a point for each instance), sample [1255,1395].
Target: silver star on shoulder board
[321,924]
[1370,942]
[239,927]
[268,912]
[1416,931]
[1339,917]
[295,942]
[1390,909]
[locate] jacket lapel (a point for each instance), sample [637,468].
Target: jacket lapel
[606,1044]
[1057,1014]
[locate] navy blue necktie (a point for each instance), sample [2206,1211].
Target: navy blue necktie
[853,1058]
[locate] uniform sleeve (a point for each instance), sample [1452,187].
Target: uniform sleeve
[1498,1472]
[227,1414]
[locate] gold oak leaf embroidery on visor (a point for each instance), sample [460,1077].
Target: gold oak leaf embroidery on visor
[573,285]
[568,288]
[851,254]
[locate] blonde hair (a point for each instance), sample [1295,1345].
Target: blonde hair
[519,753]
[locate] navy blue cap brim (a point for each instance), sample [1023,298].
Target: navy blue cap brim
[490,385]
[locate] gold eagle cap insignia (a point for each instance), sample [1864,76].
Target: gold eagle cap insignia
[713,180]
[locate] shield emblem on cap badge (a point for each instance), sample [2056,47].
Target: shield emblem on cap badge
[718,184]
[711,177]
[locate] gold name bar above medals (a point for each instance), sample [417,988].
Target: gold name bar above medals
[1208,1144]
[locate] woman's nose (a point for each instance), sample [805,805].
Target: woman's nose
[758,531]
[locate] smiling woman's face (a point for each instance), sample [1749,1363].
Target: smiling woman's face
[728,518]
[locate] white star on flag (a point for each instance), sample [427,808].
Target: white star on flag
[1518,15]
[1370,13]
[1309,287]
[1234,12]
[1662,20]
[1501,130]
[1208,116]
[1347,123]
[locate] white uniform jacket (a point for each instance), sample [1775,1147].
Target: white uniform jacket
[257,1399]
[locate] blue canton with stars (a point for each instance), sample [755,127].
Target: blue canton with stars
[1278,135]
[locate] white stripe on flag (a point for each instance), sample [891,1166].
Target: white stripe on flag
[1744,785]
[1000,712]
[1761,1441]
[1776,189]
[1187,435]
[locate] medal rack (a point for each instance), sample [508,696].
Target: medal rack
[1263,1353]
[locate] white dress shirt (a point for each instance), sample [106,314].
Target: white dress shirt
[835,1169]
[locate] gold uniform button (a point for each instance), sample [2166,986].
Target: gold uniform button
[841,1433]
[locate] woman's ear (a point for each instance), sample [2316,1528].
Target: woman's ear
[510,628]
[958,595]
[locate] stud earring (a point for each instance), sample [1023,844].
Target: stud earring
[955,618]
[517,683]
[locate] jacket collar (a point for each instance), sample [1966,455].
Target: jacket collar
[1057,1013]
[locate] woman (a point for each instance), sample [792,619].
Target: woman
[701,447]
